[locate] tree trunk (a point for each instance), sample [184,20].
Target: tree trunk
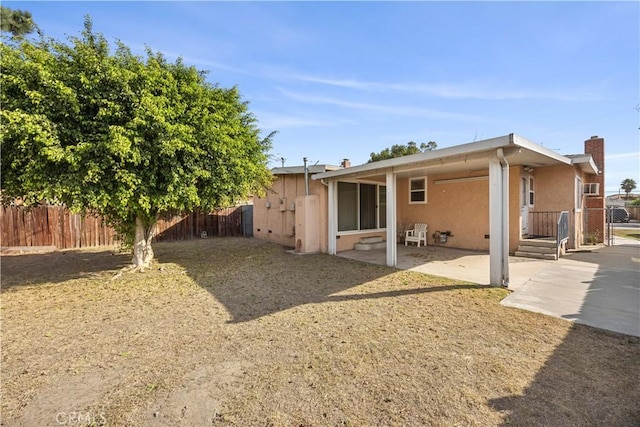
[142,250]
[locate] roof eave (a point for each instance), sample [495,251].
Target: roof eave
[511,140]
[586,163]
[456,150]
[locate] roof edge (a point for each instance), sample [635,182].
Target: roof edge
[586,163]
[292,170]
[456,150]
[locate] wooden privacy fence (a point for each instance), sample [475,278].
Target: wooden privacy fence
[220,223]
[57,226]
[52,226]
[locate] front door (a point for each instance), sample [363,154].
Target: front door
[524,206]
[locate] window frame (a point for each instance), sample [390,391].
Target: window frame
[417,191]
[358,201]
[590,186]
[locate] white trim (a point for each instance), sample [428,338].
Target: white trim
[499,220]
[495,222]
[332,213]
[577,191]
[354,232]
[392,255]
[457,150]
[587,188]
[359,229]
[586,163]
[511,144]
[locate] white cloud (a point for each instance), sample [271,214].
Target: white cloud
[283,121]
[386,108]
[468,90]
[622,155]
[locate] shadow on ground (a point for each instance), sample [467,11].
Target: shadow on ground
[581,382]
[268,281]
[583,379]
[56,267]
[613,296]
[575,384]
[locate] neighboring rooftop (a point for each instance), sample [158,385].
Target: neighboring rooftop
[292,170]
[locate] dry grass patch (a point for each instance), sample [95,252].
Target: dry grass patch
[239,332]
[627,233]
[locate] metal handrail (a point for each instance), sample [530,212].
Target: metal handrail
[562,233]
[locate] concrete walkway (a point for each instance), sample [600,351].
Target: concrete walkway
[598,287]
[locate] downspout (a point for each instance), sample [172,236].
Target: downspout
[306,177]
[505,217]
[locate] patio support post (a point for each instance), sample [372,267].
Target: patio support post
[505,217]
[498,220]
[392,255]
[332,212]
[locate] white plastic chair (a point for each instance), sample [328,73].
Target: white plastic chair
[418,234]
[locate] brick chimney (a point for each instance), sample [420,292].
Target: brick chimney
[595,147]
[345,163]
[596,217]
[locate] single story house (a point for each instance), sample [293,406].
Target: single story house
[484,195]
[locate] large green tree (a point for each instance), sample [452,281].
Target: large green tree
[17,22]
[628,185]
[126,137]
[399,150]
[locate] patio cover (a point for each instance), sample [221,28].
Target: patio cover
[496,154]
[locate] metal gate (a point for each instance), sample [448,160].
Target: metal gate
[247,220]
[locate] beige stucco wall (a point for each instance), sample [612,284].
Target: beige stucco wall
[555,191]
[276,224]
[554,188]
[459,207]
[463,207]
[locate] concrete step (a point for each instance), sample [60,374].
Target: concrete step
[372,239]
[369,246]
[537,249]
[547,243]
[536,255]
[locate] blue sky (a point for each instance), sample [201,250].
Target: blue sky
[342,79]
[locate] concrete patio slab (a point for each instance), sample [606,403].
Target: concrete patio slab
[599,287]
[459,264]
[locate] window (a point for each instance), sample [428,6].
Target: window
[347,206]
[417,190]
[361,206]
[578,196]
[591,189]
[368,206]
[531,192]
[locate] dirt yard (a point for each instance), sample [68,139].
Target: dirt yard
[239,332]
